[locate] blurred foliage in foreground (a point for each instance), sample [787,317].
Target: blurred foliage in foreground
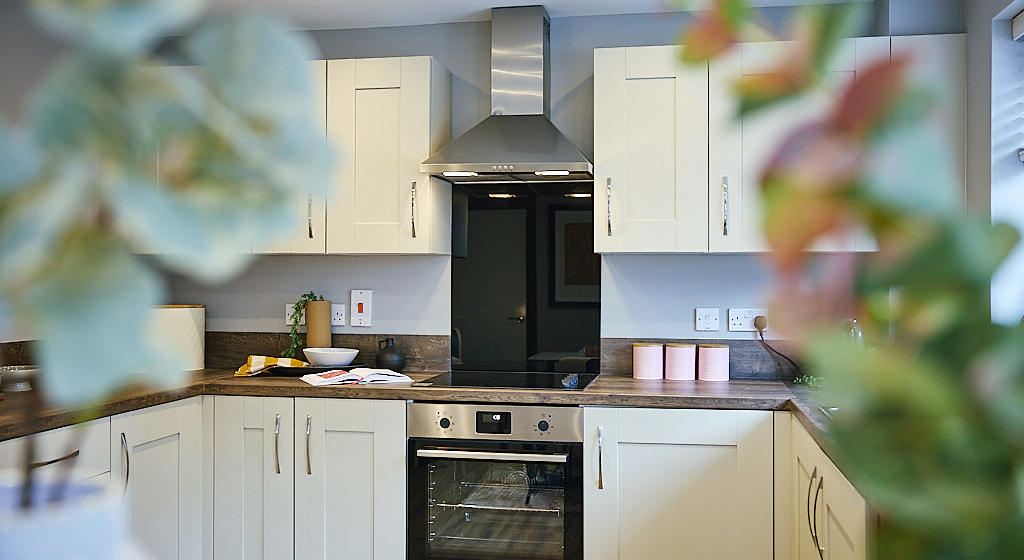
[121,150]
[931,420]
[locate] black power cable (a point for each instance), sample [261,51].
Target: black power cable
[761,322]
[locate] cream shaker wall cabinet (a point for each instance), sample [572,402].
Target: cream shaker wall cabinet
[309,236]
[384,117]
[650,151]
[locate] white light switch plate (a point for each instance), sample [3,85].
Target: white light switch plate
[337,314]
[742,319]
[707,318]
[362,308]
[288,315]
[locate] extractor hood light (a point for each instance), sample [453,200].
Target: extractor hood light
[551,173]
[501,195]
[578,195]
[460,174]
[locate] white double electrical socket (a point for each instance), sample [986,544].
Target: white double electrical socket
[337,314]
[362,308]
[707,318]
[288,315]
[742,319]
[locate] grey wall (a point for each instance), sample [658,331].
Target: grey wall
[411,295]
[921,17]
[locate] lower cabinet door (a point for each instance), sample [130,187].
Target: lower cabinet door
[807,465]
[157,453]
[677,484]
[350,479]
[254,475]
[85,446]
[844,519]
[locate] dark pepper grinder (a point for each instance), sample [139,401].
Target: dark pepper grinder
[390,356]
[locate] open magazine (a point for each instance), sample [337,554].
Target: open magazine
[362,376]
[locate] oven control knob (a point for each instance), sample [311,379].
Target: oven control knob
[542,425]
[445,423]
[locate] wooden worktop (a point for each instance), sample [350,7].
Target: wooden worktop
[606,390]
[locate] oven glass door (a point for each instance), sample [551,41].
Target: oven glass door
[474,499]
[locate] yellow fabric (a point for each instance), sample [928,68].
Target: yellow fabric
[256,364]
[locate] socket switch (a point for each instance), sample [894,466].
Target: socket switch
[362,308]
[337,314]
[742,319]
[707,318]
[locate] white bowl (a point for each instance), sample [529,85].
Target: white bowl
[330,357]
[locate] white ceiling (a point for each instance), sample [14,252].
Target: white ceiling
[350,14]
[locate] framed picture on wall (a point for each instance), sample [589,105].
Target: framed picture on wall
[575,268]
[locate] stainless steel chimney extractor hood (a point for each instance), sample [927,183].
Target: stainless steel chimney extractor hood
[517,143]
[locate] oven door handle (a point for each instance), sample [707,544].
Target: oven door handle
[493,456]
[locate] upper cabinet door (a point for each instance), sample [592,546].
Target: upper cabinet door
[650,151]
[938,63]
[740,150]
[308,207]
[385,116]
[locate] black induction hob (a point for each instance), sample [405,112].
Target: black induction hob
[521,380]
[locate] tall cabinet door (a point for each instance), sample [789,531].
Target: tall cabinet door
[650,151]
[740,149]
[309,207]
[661,482]
[385,116]
[938,63]
[254,473]
[157,452]
[350,482]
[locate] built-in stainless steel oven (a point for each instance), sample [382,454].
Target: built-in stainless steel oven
[495,481]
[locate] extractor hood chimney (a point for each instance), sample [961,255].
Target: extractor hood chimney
[517,143]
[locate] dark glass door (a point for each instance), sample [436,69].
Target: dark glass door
[473,499]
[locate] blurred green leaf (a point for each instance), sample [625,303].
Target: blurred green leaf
[19,159]
[117,27]
[87,311]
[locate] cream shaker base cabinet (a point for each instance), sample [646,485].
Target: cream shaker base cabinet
[829,517]
[650,151]
[677,484]
[157,453]
[87,444]
[350,479]
[384,117]
[254,476]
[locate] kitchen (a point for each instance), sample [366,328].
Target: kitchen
[527,429]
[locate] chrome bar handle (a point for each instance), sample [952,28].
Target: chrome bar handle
[309,464]
[807,506]
[67,457]
[309,215]
[600,458]
[725,205]
[277,436]
[493,456]
[817,542]
[127,460]
[413,209]
[608,201]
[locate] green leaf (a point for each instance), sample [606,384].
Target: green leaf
[19,159]
[34,221]
[118,27]
[87,311]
